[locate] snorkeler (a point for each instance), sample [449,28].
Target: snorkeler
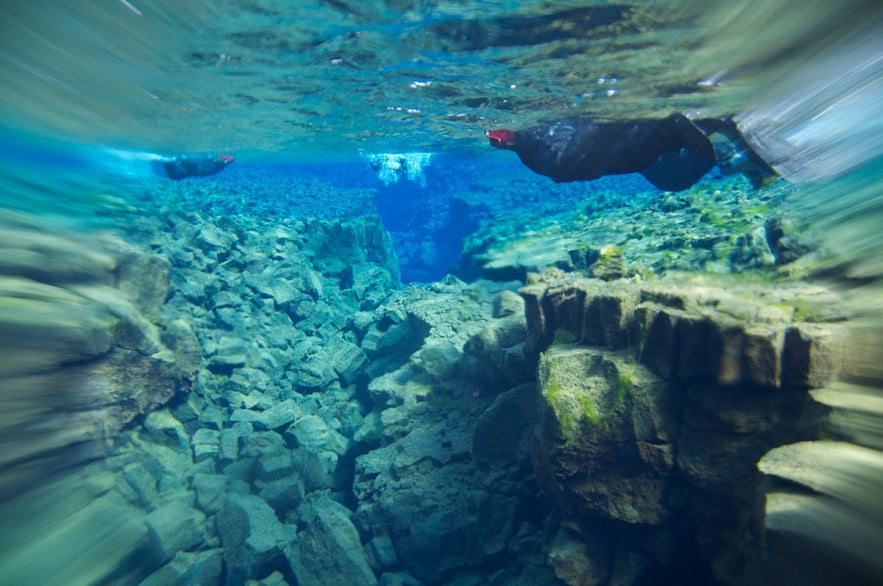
[190,166]
[671,153]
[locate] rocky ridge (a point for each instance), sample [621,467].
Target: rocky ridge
[660,397]
[721,227]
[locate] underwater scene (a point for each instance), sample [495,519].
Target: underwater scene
[441,292]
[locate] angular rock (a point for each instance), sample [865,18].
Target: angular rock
[540,319]
[125,384]
[503,431]
[568,304]
[228,448]
[609,265]
[657,350]
[144,279]
[283,494]
[813,354]
[263,443]
[578,561]
[142,483]
[312,433]
[212,416]
[404,386]
[698,348]
[279,415]
[617,421]
[252,536]
[211,239]
[315,376]
[428,510]
[507,303]
[502,354]
[206,443]
[328,549]
[382,552]
[387,333]
[436,360]
[175,527]
[132,330]
[211,491]
[231,353]
[165,430]
[188,569]
[346,358]
[275,467]
[762,356]
[616,310]
[694,332]
[319,469]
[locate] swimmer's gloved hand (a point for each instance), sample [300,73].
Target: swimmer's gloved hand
[194,165]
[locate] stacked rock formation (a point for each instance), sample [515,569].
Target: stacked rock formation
[659,399]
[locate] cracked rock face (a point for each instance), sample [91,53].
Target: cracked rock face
[79,333]
[657,399]
[617,421]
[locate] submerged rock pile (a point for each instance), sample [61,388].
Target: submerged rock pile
[719,228]
[335,417]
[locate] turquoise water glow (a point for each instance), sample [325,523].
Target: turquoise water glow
[319,366]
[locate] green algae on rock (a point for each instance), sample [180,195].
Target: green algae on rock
[667,393]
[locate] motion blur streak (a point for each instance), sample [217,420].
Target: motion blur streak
[825,119]
[820,127]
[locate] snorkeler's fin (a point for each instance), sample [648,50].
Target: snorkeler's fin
[734,154]
[678,170]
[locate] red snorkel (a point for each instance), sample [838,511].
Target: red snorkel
[502,138]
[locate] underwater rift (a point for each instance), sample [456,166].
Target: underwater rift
[274,310]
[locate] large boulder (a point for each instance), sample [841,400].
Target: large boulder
[83,350]
[328,550]
[605,440]
[252,537]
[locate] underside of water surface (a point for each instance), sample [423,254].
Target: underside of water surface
[273,311]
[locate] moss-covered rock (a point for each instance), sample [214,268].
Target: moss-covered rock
[606,427]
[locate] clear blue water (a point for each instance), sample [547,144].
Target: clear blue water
[306,96]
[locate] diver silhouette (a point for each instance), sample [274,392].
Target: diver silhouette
[193,166]
[672,153]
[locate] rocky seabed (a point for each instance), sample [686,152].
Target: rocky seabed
[258,401]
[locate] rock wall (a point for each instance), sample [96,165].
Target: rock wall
[657,402]
[82,350]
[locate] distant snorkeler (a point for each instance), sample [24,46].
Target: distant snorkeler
[672,153]
[192,165]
